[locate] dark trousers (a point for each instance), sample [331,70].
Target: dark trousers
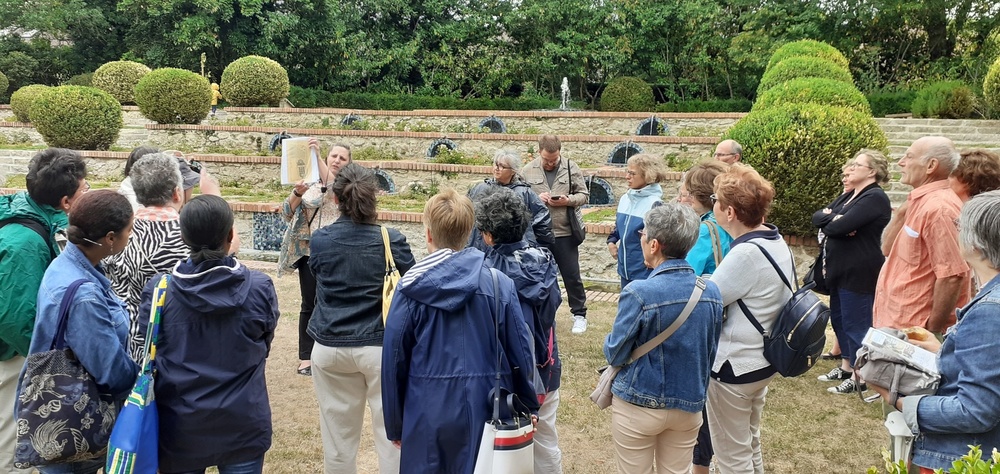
[307,286]
[567,255]
[850,316]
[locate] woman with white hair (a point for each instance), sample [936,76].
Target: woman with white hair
[964,410]
[644,192]
[506,168]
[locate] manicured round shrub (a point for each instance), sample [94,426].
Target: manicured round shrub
[944,99]
[627,94]
[77,117]
[815,90]
[254,80]
[119,78]
[85,79]
[171,95]
[800,148]
[801,66]
[811,48]
[991,86]
[23,99]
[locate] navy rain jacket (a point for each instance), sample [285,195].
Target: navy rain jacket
[438,362]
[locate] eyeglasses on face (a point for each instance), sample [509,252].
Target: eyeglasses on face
[498,166]
[720,155]
[714,198]
[630,173]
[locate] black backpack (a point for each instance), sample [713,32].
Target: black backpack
[798,336]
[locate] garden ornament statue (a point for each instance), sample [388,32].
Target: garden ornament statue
[565,94]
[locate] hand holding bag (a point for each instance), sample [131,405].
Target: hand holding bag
[506,446]
[391,276]
[134,446]
[887,369]
[61,417]
[602,393]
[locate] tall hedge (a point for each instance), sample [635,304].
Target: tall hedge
[627,94]
[4,84]
[254,80]
[800,147]
[814,90]
[811,48]
[991,85]
[171,95]
[119,78]
[77,117]
[803,66]
[23,99]
[944,99]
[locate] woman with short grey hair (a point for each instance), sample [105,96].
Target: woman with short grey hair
[658,398]
[506,167]
[963,411]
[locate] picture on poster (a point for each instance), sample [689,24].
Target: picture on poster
[298,161]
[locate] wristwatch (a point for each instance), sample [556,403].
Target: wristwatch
[296,192]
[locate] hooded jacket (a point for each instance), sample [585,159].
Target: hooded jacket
[24,256]
[439,360]
[540,231]
[215,334]
[632,208]
[533,271]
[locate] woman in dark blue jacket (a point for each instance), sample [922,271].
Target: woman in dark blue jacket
[348,259]
[502,218]
[644,192]
[216,328]
[440,347]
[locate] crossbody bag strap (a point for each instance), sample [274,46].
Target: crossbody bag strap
[153,329]
[59,339]
[746,311]
[496,332]
[713,234]
[699,287]
[390,264]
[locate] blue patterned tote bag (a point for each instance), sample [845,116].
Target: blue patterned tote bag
[135,439]
[61,417]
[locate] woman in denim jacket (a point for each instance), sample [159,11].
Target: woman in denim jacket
[658,399]
[100,223]
[966,408]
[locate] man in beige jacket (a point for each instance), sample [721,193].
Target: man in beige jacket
[550,176]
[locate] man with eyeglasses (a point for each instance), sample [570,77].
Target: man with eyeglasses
[560,185]
[506,164]
[29,223]
[728,151]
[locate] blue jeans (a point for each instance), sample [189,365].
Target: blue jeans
[255,466]
[850,316]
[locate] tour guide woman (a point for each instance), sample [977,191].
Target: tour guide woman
[966,408]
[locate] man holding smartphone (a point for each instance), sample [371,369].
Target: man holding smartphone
[560,185]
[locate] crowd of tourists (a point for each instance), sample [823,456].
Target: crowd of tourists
[474,322]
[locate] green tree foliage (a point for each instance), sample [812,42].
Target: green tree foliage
[23,100]
[810,48]
[171,95]
[4,84]
[945,99]
[84,79]
[800,148]
[991,85]
[627,94]
[801,66]
[19,68]
[254,80]
[119,78]
[814,90]
[77,117]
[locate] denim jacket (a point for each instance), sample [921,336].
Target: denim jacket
[97,330]
[966,408]
[673,375]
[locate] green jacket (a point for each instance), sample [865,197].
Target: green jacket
[24,256]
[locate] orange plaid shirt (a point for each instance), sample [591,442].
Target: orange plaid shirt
[925,250]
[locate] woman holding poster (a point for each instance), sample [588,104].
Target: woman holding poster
[307,208]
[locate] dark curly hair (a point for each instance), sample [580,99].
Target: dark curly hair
[503,214]
[979,170]
[53,174]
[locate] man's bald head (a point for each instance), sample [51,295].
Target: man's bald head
[728,151]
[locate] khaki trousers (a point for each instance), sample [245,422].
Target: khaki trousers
[344,378]
[548,456]
[648,438]
[9,372]
[734,419]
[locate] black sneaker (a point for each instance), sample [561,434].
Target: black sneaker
[848,386]
[835,375]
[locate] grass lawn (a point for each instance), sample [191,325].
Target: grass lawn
[805,429]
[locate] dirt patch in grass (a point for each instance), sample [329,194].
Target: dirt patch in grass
[805,429]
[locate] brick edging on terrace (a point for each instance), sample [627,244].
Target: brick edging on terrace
[436,135]
[488,113]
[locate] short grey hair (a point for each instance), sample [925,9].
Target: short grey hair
[945,153]
[155,177]
[737,148]
[979,226]
[675,226]
[508,157]
[502,213]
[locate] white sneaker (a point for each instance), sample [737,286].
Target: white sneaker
[579,324]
